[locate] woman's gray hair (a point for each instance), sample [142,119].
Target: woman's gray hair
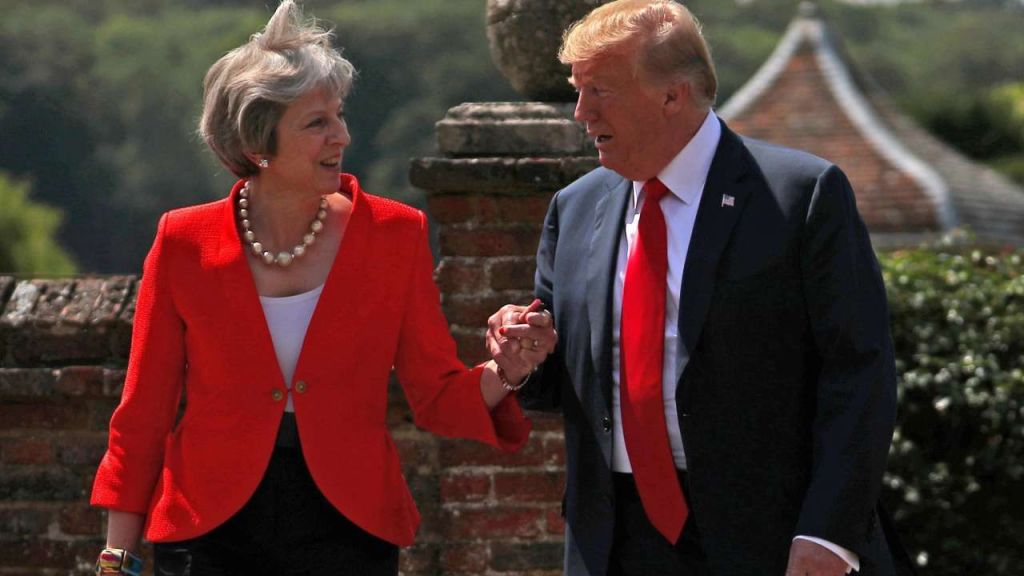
[248,89]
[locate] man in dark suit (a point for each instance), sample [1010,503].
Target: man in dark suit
[724,364]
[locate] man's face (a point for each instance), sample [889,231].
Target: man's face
[624,115]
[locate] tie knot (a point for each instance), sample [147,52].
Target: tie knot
[654,190]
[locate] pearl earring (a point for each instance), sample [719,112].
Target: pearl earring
[264,163]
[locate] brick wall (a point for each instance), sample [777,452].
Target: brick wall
[63,350]
[63,345]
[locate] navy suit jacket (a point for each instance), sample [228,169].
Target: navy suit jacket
[787,398]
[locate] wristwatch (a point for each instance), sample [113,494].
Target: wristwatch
[118,561]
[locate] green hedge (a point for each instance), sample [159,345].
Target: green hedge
[956,470]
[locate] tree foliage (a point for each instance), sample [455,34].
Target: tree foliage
[950,66]
[99,98]
[99,101]
[415,61]
[27,245]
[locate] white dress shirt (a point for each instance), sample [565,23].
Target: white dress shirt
[685,177]
[287,320]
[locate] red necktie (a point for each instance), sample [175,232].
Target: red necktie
[642,344]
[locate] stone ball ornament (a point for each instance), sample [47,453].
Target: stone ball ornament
[524,37]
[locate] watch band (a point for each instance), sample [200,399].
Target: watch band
[118,561]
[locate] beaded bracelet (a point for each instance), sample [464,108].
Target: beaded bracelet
[508,385]
[118,561]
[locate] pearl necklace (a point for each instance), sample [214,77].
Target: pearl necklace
[284,258]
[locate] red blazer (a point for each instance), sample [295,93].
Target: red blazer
[199,330]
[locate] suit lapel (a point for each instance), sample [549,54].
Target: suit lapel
[724,198]
[609,214]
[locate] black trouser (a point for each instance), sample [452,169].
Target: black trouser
[638,549]
[286,528]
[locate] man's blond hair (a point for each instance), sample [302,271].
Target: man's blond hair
[663,35]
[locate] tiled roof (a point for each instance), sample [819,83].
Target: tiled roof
[909,184]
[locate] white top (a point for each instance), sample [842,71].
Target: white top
[685,177]
[287,320]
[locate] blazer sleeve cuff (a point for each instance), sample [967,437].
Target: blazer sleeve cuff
[507,428]
[124,488]
[511,428]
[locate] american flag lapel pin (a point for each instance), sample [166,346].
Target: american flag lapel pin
[728,200]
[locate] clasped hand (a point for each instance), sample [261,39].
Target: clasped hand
[519,338]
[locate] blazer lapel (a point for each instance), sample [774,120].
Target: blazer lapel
[609,214]
[332,338]
[337,300]
[239,295]
[724,198]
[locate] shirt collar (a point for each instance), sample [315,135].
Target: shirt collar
[685,175]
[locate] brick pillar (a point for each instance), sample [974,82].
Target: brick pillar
[497,514]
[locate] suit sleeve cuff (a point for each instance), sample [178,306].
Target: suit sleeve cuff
[851,559]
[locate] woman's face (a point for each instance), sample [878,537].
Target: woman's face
[311,138]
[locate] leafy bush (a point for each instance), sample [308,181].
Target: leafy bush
[956,472]
[27,244]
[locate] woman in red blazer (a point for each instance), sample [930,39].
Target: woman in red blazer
[277,314]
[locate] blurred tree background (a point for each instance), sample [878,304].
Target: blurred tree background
[28,230]
[99,98]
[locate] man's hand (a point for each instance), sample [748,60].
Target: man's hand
[520,337]
[809,559]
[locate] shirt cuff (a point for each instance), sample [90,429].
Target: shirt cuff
[851,559]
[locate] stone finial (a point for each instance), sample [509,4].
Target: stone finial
[513,129]
[524,38]
[808,10]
